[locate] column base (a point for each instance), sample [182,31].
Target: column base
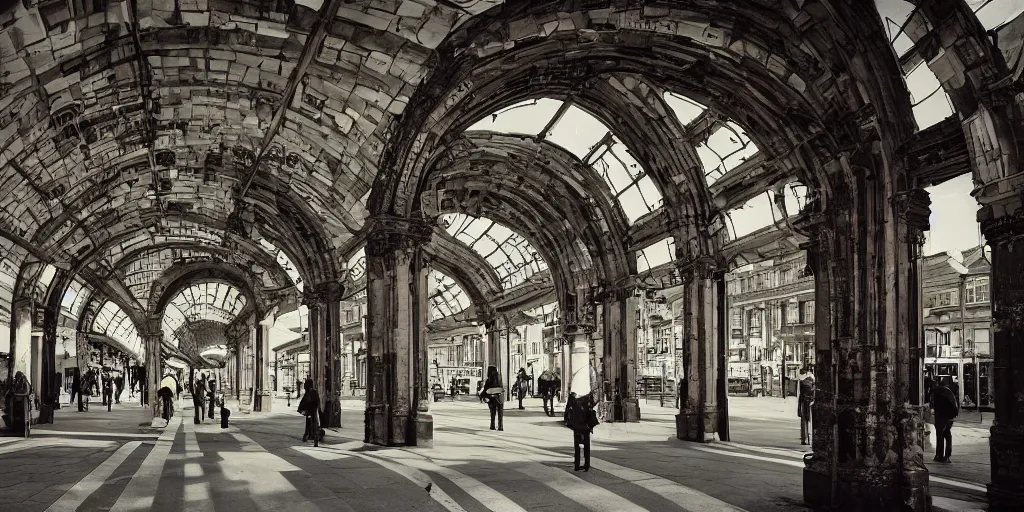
[1006,492]
[697,425]
[867,489]
[332,412]
[424,430]
[376,425]
[628,411]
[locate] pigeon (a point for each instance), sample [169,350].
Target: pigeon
[429,487]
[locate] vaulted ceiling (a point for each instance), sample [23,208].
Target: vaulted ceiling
[137,135]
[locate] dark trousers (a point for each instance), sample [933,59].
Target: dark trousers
[943,438]
[74,393]
[581,438]
[497,409]
[117,396]
[312,429]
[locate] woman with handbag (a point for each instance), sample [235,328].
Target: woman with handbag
[494,393]
[309,407]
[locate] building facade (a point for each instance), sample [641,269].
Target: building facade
[957,321]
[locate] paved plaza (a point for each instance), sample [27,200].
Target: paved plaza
[113,461]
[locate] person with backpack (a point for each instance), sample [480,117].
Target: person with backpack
[946,407]
[581,418]
[494,393]
[803,409]
[309,407]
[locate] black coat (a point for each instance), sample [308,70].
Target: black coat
[945,403]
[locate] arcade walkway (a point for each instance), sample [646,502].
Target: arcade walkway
[101,461]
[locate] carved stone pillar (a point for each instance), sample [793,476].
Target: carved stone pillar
[619,318]
[1003,225]
[49,392]
[324,303]
[698,412]
[493,352]
[866,428]
[396,324]
[153,341]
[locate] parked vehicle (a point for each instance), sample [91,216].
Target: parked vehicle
[742,386]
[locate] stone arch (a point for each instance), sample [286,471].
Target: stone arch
[181,276]
[559,187]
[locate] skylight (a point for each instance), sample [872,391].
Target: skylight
[512,256]
[447,298]
[113,322]
[218,302]
[656,254]
[589,139]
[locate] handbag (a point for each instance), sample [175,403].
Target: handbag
[592,420]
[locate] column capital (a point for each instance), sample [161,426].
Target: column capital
[388,233]
[1003,220]
[913,207]
[322,293]
[700,267]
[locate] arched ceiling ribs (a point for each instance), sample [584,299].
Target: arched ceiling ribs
[570,200]
[181,276]
[470,270]
[115,323]
[614,44]
[241,251]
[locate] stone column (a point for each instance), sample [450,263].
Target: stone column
[396,325]
[578,337]
[698,412]
[493,355]
[323,301]
[333,376]
[1003,225]
[153,341]
[21,339]
[49,394]
[865,426]
[317,343]
[619,318]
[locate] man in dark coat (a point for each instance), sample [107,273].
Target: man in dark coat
[803,408]
[581,418]
[946,407]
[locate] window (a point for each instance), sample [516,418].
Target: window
[981,342]
[754,318]
[976,290]
[807,312]
[792,313]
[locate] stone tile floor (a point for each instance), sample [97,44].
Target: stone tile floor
[103,461]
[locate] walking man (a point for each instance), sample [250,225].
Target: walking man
[946,408]
[803,408]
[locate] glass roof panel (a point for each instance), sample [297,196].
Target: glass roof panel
[357,264]
[583,135]
[111,321]
[283,260]
[656,254]
[446,297]
[931,103]
[497,244]
[726,148]
[218,302]
[544,313]
[686,110]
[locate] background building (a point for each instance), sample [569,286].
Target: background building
[957,320]
[771,322]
